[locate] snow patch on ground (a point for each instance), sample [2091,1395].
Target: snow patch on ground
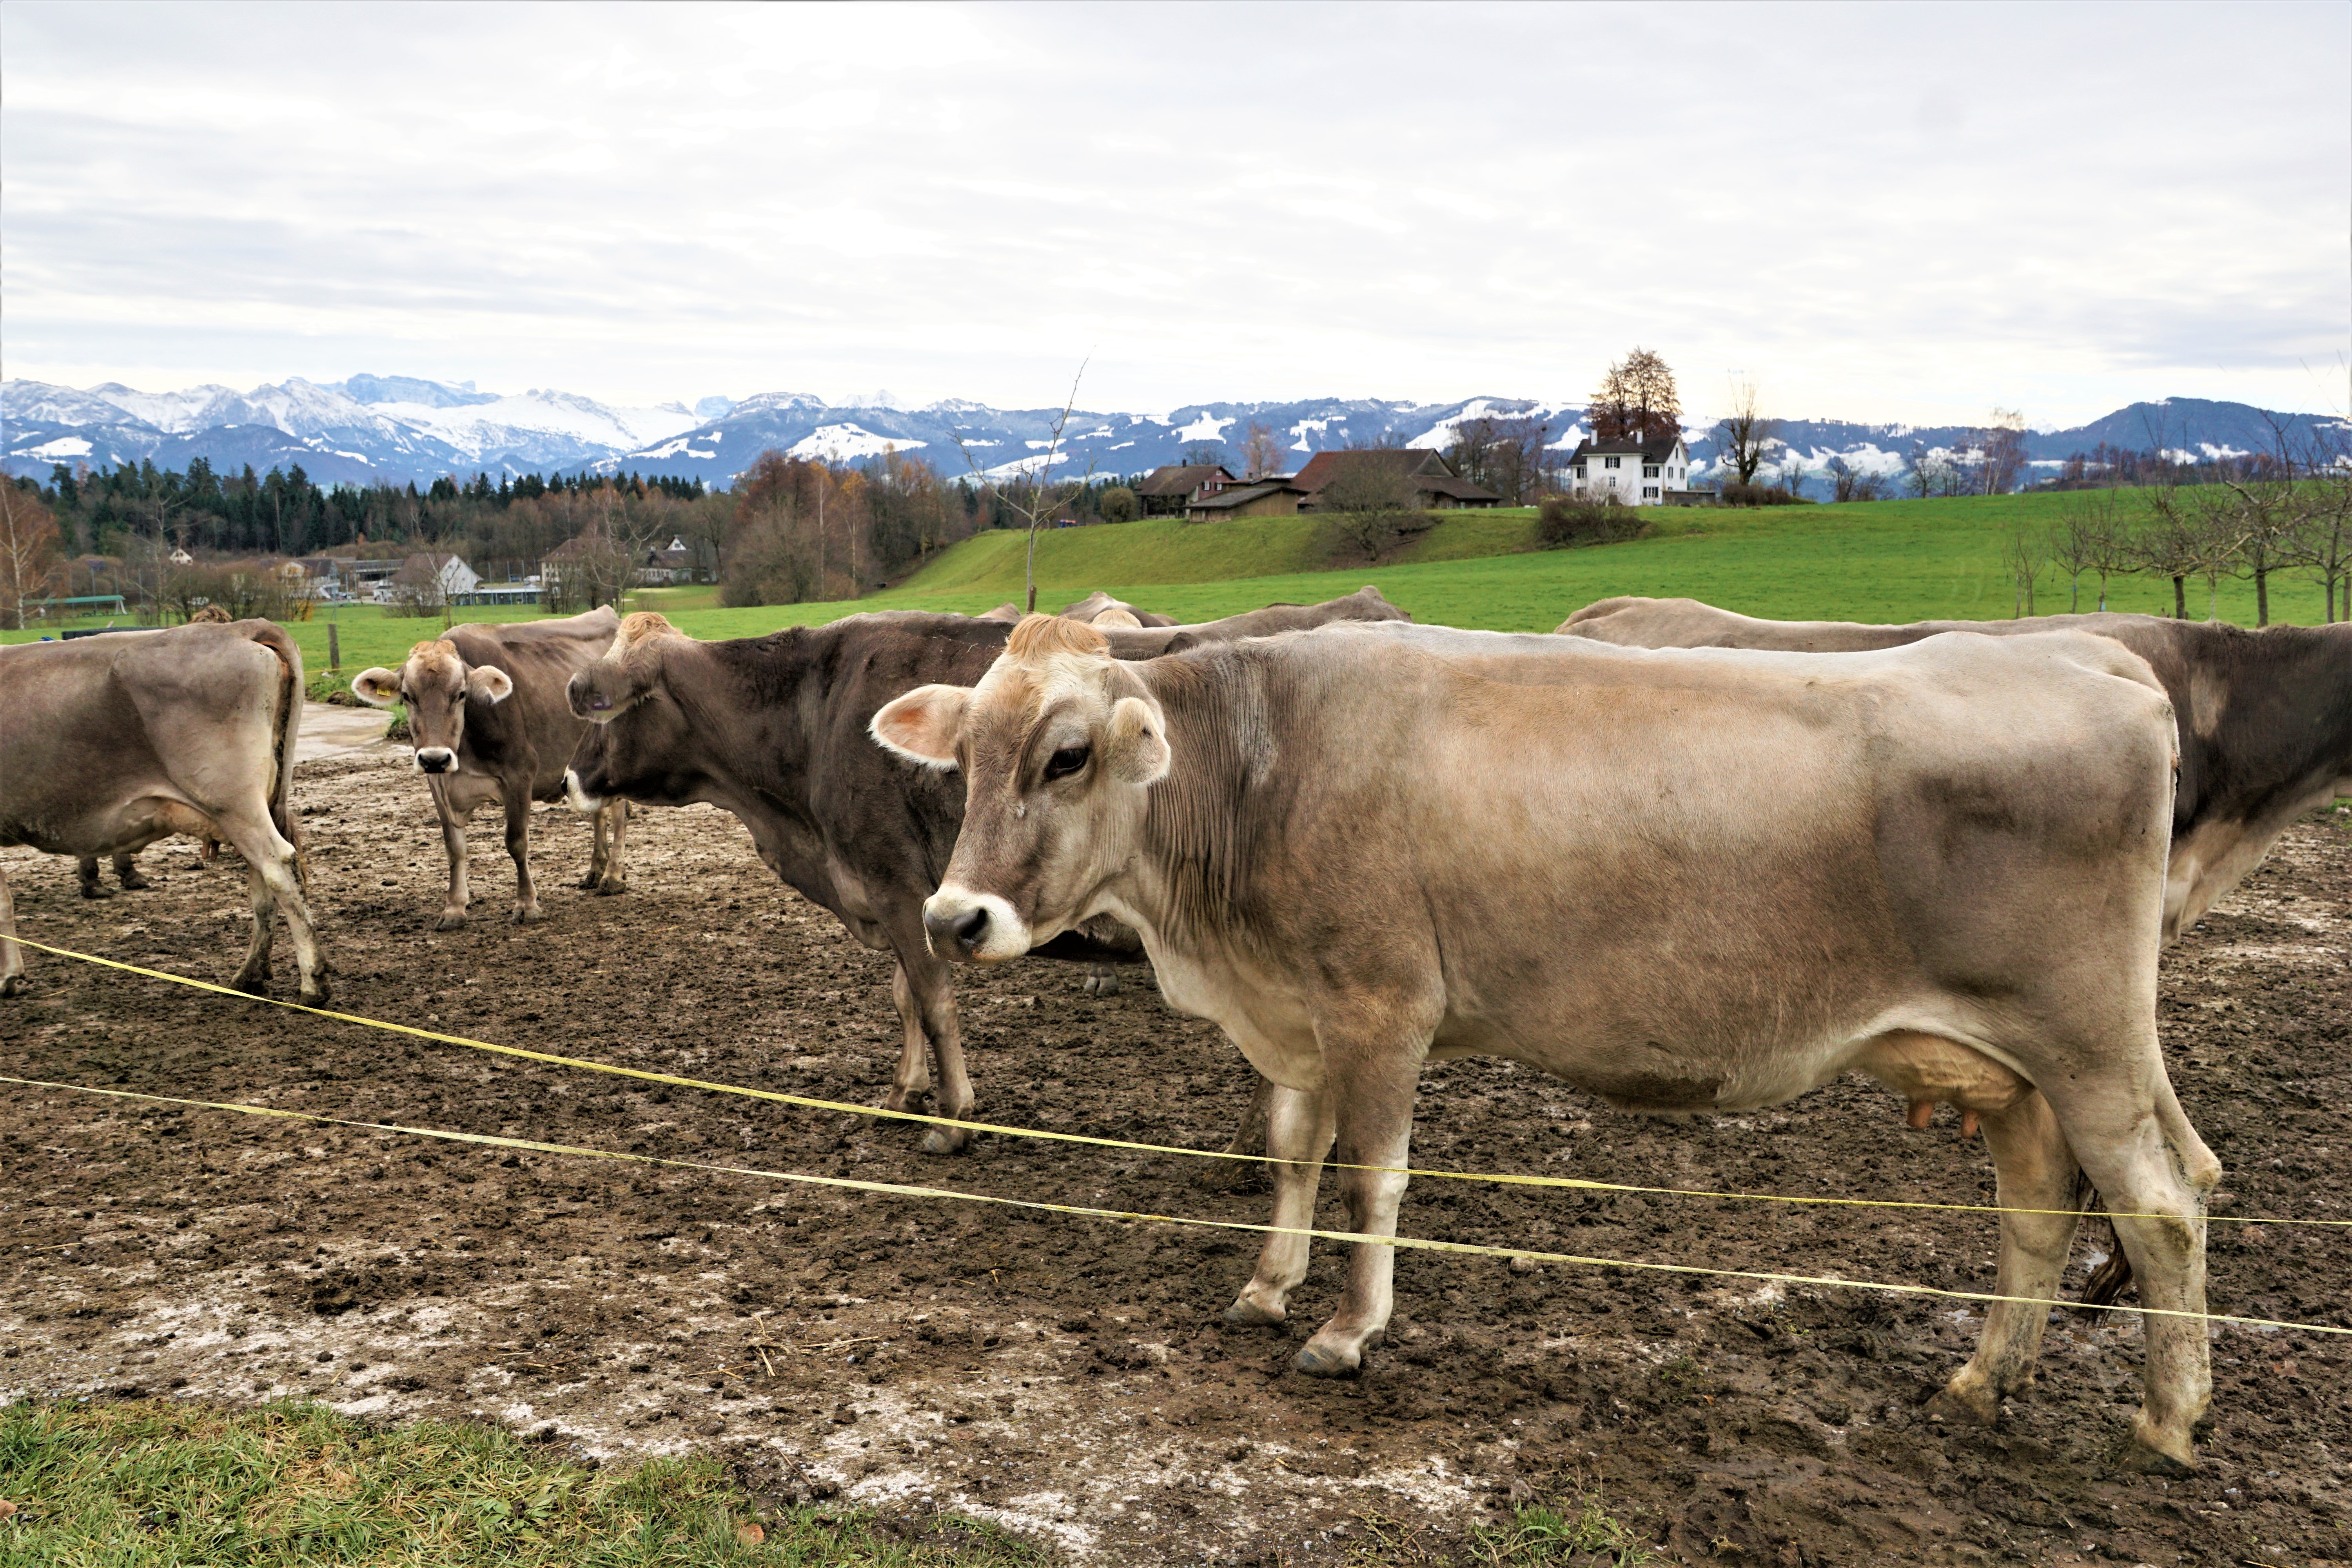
[841,442]
[1207,428]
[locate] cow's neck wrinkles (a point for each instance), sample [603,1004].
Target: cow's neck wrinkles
[1207,824]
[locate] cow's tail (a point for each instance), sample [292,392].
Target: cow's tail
[284,730]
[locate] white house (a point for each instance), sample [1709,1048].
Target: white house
[1640,473]
[433,575]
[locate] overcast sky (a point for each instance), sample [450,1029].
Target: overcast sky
[1898,211]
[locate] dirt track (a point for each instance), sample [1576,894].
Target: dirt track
[1072,1378]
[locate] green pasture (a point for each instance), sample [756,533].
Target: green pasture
[1878,561]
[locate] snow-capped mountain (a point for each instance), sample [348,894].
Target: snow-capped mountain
[398,429]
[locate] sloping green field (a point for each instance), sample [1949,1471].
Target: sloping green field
[1880,561]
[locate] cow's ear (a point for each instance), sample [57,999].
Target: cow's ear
[1135,746]
[378,688]
[922,726]
[489,683]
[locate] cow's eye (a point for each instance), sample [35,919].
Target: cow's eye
[1065,761]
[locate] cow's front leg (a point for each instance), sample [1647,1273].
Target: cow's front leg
[126,871]
[85,873]
[2035,1170]
[910,1086]
[517,805]
[611,877]
[932,987]
[1297,1135]
[453,840]
[12,957]
[1373,1099]
[595,852]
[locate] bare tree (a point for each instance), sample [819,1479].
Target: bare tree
[2001,453]
[1636,401]
[1506,453]
[2079,543]
[1261,451]
[1741,436]
[2164,544]
[1849,483]
[2320,544]
[28,550]
[1034,494]
[2026,552]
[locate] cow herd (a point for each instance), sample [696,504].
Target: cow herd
[1687,861]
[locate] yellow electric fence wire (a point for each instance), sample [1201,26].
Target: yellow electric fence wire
[1496,1177]
[903,1190]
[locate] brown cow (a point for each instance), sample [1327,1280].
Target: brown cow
[1099,609]
[2265,717]
[108,744]
[1685,881]
[488,719]
[773,729]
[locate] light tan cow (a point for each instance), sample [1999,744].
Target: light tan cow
[2266,716]
[1685,881]
[108,744]
[489,721]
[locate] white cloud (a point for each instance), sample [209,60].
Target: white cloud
[1895,212]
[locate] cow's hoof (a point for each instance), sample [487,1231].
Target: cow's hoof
[588,883]
[945,1140]
[96,891]
[1964,1399]
[256,986]
[318,995]
[609,886]
[1100,986]
[527,914]
[1249,1314]
[2154,1453]
[1316,1358]
[133,881]
[451,920]
[13,986]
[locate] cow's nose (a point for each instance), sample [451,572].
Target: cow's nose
[956,935]
[434,758]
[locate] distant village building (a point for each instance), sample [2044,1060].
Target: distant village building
[674,563]
[1170,490]
[1277,495]
[434,577]
[1655,472]
[1436,486]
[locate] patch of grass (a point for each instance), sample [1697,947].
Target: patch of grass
[166,1482]
[1578,1533]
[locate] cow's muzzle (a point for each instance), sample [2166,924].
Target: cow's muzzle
[974,927]
[436,759]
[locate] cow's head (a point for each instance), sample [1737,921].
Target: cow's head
[434,685]
[637,725]
[1059,745]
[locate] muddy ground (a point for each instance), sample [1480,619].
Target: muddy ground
[1069,1378]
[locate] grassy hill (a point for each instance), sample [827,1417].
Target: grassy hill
[1880,561]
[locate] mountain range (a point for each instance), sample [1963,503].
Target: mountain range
[373,429]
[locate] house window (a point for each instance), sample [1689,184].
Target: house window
[1608,462]
[1649,492]
[1649,470]
[1579,471]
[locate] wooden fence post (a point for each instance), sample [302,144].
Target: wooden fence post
[334,650]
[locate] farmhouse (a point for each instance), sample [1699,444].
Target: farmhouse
[433,575]
[672,563]
[1652,472]
[1436,486]
[1277,495]
[1169,490]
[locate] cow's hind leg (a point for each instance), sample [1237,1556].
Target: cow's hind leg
[126,871]
[2154,1171]
[2035,1170]
[611,878]
[85,873]
[910,1086]
[596,823]
[1299,1128]
[276,886]
[12,957]
[518,808]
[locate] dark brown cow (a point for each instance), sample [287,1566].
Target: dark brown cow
[108,744]
[488,719]
[773,729]
[2265,717]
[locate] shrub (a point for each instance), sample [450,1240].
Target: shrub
[1736,494]
[1118,504]
[1564,521]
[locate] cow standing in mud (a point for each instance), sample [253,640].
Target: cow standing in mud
[489,721]
[772,730]
[2265,717]
[108,744]
[1684,881]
